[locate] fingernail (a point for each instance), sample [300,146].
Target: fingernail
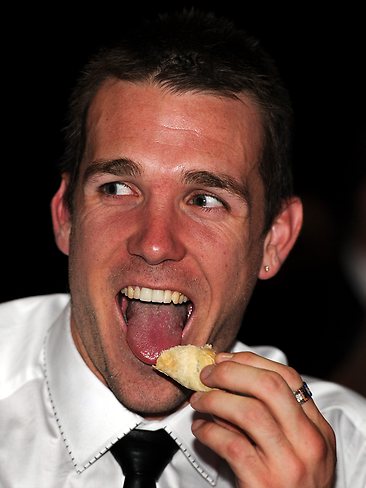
[196,424]
[223,356]
[195,397]
[205,373]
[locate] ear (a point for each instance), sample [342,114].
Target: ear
[281,237]
[61,217]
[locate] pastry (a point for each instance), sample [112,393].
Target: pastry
[184,363]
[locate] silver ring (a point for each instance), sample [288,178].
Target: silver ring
[303,394]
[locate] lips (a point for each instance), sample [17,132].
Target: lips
[155,320]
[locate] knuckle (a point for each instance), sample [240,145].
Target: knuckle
[223,371]
[319,448]
[271,381]
[293,377]
[234,451]
[323,449]
[212,400]
[299,472]
[255,413]
[296,471]
[322,446]
[248,357]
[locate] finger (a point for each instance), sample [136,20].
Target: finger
[236,449]
[289,374]
[253,469]
[249,374]
[251,466]
[269,384]
[305,440]
[245,416]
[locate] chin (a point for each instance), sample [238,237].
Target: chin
[153,399]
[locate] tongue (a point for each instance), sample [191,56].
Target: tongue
[153,327]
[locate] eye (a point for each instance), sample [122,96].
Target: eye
[116,188]
[206,201]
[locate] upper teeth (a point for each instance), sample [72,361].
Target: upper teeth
[156,296]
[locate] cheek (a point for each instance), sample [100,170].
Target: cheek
[222,248]
[94,237]
[235,258]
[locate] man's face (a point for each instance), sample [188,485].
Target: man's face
[169,199]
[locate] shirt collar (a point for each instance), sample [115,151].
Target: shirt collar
[81,403]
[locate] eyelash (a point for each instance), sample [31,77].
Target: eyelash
[209,209]
[109,190]
[104,188]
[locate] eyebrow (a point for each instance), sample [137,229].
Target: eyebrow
[126,167]
[118,167]
[218,180]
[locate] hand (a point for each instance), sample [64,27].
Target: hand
[259,428]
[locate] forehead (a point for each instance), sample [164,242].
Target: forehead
[147,121]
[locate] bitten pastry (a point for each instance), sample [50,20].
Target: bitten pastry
[184,363]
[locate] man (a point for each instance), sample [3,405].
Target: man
[175,198]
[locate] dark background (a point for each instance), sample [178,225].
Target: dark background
[321,54]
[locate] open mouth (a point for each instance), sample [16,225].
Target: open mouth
[155,320]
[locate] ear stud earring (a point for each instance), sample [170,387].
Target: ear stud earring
[267,267]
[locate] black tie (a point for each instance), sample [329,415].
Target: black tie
[143,455]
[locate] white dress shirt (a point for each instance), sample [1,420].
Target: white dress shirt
[57,420]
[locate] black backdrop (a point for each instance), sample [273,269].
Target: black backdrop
[321,54]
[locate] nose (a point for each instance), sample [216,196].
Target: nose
[157,237]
